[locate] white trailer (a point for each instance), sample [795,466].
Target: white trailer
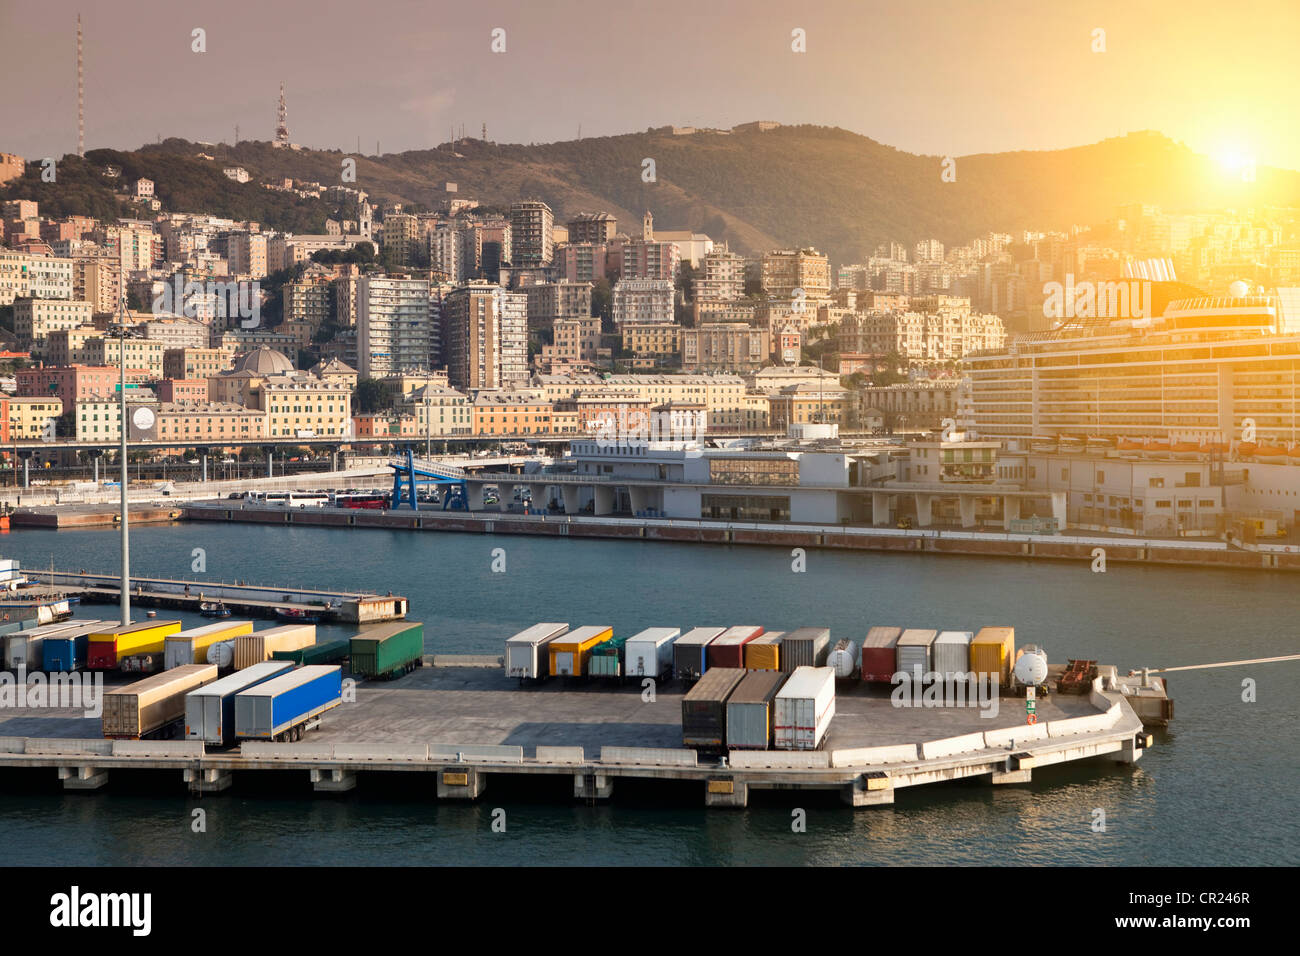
[650,653]
[526,655]
[804,708]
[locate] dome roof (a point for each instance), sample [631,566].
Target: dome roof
[264,361]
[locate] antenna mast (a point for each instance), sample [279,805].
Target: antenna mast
[81,97]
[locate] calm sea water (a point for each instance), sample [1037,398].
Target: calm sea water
[1219,788]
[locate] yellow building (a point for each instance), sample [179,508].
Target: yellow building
[31,419]
[189,423]
[652,338]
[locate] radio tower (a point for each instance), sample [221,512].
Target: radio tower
[81,97]
[282,126]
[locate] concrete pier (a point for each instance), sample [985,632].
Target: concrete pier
[466,724]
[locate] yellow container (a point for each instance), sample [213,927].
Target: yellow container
[569,652]
[191,646]
[146,637]
[992,651]
[764,653]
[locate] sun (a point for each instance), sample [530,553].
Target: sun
[1236,161]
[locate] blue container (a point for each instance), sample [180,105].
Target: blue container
[280,705]
[65,654]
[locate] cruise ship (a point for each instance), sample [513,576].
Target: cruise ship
[1195,376]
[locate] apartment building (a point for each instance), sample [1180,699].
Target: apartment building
[510,412]
[592,227]
[485,336]
[721,277]
[787,270]
[35,319]
[69,384]
[395,330]
[652,338]
[531,223]
[642,301]
[29,419]
[731,347]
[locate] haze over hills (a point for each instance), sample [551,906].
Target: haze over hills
[794,185]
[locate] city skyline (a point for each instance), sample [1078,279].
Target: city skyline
[1038,82]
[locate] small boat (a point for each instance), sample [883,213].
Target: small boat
[1186,450]
[214,609]
[1270,453]
[150,613]
[298,615]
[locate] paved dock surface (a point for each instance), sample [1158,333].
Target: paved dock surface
[478,705]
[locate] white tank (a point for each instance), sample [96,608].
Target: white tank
[222,653]
[844,658]
[1031,665]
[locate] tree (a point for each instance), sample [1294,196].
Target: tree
[602,304]
[369,397]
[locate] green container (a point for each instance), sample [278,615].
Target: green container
[329,653]
[606,659]
[385,651]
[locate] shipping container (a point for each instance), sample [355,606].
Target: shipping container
[330,652]
[569,652]
[803,709]
[951,654]
[526,654]
[728,648]
[991,652]
[260,645]
[191,646]
[110,646]
[843,659]
[285,707]
[689,661]
[385,651]
[153,706]
[805,647]
[649,653]
[606,659]
[749,710]
[24,645]
[764,653]
[704,709]
[912,653]
[66,651]
[879,654]
[210,710]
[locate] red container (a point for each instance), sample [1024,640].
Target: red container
[728,649]
[879,649]
[102,655]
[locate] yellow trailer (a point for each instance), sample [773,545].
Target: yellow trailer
[764,653]
[109,646]
[191,646]
[569,652]
[992,651]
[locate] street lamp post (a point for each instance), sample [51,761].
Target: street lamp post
[122,426]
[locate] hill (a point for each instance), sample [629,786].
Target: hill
[795,185]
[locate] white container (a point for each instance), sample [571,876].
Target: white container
[951,654]
[526,655]
[804,708]
[912,653]
[210,710]
[843,659]
[650,653]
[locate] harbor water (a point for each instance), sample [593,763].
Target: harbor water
[1219,787]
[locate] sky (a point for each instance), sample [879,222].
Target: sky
[939,78]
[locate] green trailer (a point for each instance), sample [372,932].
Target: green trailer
[329,653]
[385,651]
[606,659]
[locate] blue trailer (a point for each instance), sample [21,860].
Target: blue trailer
[66,651]
[210,710]
[285,707]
